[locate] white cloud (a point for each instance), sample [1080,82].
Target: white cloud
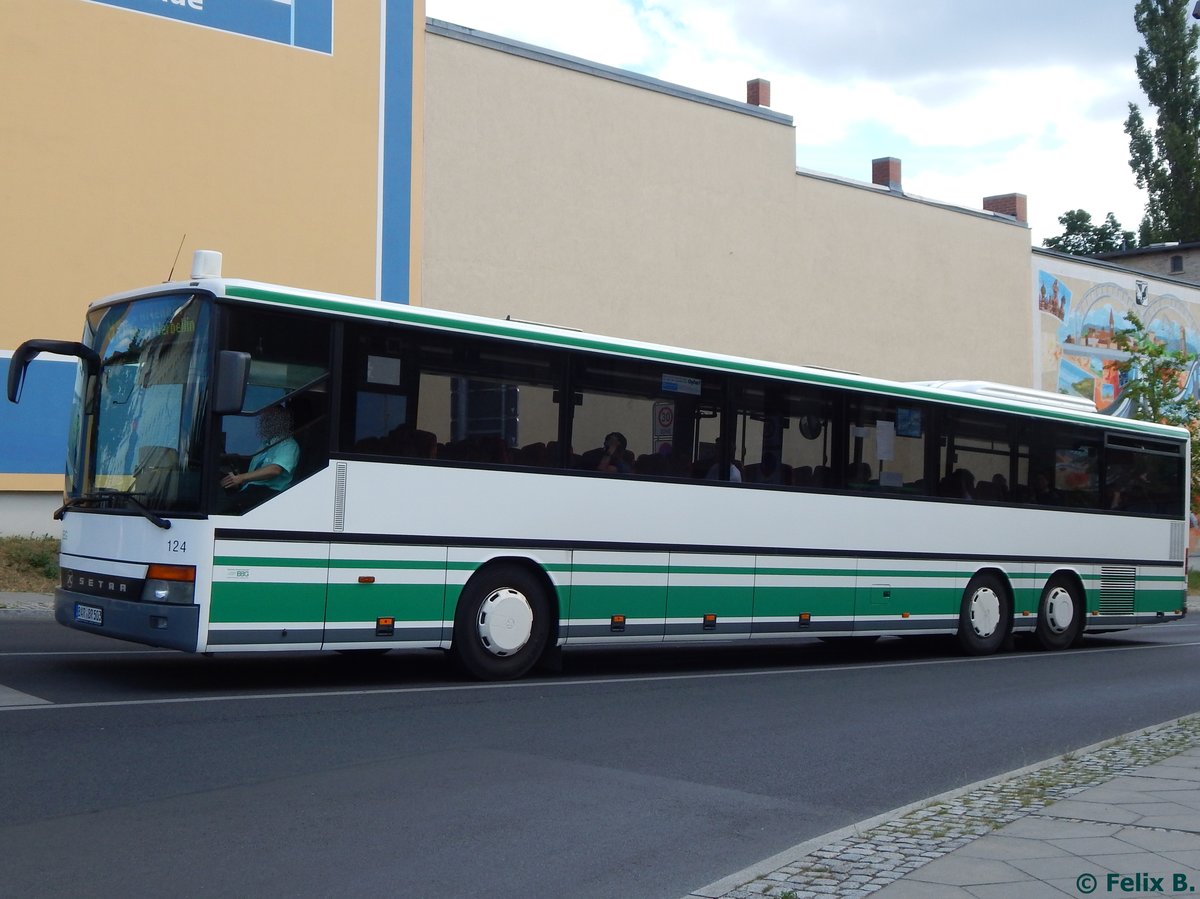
[606,31]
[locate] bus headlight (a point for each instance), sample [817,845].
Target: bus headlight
[174,584]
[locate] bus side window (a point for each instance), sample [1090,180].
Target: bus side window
[886,446]
[784,435]
[376,399]
[481,401]
[289,373]
[668,416]
[975,456]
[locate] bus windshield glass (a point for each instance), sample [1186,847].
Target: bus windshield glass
[137,434]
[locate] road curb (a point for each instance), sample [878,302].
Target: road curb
[30,603]
[1188,726]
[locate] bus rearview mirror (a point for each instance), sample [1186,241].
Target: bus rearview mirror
[233,372]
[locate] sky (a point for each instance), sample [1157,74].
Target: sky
[975,98]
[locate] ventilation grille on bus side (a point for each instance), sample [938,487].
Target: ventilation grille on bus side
[1177,541]
[1117,587]
[339,497]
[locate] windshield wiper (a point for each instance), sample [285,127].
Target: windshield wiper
[152,517]
[108,496]
[98,497]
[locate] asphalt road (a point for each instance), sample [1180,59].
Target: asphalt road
[629,774]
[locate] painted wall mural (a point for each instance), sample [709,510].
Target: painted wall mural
[1077,320]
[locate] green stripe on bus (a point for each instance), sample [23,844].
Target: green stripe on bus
[606,601]
[262,603]
[268,562]
[781,602]
[617,569]
[404,602]
[693,602]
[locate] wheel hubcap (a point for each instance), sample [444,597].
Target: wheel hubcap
[984,609]
[1060,610]
[505,621]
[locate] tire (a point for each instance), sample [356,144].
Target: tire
[1060,614]
[502,623]
[985,618]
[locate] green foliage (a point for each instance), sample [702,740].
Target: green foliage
[35,555]
[1081,237]
[1167,164]
[1155,381]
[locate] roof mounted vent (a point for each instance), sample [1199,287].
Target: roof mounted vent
[1014,394]
[206,264]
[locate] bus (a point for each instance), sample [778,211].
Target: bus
[253,467]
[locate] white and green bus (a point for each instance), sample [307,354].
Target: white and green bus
[257,468]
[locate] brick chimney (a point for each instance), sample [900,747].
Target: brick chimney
[1008,204]
[758,92]
[886,172]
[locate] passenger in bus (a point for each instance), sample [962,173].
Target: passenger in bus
[769,470]
[1000,482]
[858,475]
[959,484]
[612,458]
[424,444]
[714,470]
[1044,492]
[273,466]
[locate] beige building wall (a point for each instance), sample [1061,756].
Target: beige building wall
[558,195]
[124,132]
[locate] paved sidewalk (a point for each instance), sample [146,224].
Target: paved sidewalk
[1121,819]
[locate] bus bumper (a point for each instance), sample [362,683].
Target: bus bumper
[155,624]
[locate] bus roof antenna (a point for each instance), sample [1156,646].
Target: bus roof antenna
[176,262]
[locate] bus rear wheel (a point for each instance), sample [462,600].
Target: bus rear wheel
[1060,615]
[501,624]
[985,616]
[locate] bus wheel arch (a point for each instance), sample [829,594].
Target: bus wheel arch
[505,620]
[1062,611]
[985,615]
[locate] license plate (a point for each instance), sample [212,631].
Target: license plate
[89,614]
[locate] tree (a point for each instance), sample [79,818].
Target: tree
[1167,165]
[1081,238]
[1155,384]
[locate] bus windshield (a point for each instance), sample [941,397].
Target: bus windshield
[136,434]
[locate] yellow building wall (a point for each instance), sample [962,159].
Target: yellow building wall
[124,132]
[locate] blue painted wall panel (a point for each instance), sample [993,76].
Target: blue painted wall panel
[297,23]
[395,240]
[33,433]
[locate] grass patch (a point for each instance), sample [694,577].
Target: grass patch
[1193,581]
[28,564]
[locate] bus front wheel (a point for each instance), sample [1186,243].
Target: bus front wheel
[985,616]
[1060,615]
[501,624]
